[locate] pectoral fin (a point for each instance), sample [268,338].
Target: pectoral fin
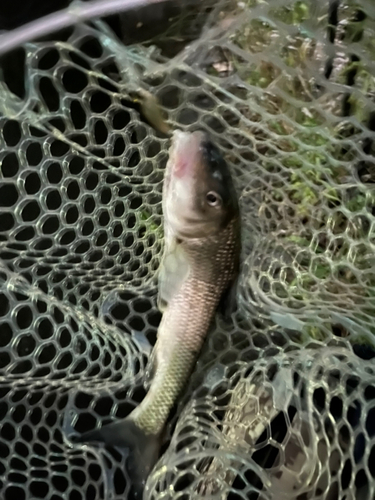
[228,301]
[173,271]
[151,366]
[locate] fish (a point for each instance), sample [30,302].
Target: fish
[252,408]
[247,417]
[198,272]
[150,109]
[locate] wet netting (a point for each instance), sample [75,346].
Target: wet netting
[281,404]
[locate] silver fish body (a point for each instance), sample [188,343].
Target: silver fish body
[186,321]
[200,262]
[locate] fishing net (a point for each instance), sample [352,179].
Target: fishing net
[282,401]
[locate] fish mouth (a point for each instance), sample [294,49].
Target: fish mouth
[185,153]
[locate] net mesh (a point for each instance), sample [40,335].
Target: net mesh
[282,400]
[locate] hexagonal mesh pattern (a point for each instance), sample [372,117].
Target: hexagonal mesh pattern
[282,401]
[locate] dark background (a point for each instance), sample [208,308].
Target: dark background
[14,13]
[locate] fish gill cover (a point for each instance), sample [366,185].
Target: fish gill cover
[282,401]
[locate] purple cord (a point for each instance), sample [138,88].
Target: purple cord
[64,18]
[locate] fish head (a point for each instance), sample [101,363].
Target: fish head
[199,196]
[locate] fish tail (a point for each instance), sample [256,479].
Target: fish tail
[143,449]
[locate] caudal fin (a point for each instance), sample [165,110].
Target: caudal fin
[143,448]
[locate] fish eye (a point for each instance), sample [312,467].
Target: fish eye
[213,199]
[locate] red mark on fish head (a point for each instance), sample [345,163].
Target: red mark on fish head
[181,166]
[186,154]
